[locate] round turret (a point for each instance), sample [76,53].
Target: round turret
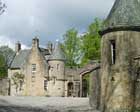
[57,72]
[119,45]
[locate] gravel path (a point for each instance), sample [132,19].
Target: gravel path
[44,104]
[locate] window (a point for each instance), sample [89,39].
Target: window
[112,79]
[33,67]
[45,84]
[20,84]
[113,51]
[57,66]
[33,78]
[54,79]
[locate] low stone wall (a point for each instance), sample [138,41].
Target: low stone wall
[4,87]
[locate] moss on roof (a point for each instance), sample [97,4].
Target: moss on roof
[124,14]
[20,59]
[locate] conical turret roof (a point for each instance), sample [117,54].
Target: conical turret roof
[125,15]
[57,53]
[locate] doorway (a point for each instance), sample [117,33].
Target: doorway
[84,88]
[70,89]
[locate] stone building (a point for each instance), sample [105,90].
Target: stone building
[120,51]
[93,70]
[4,86]
[41,72]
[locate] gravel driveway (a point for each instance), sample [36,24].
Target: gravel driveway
[44,104]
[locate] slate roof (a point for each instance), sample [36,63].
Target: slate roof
[92,65]
[57,53]
[125,14]
[44,51]
[11,57]
[20,59]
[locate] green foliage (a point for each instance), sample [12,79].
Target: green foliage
[90,46]
[86,77]
[18,80]
[3,68]
[84,48]
[136,110]
[70,47]
[6,55]
[17,77]
[2,7]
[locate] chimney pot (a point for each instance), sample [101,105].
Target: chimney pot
[35,42]
[18,47]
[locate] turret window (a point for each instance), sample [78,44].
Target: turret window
[58,66]
[113,51]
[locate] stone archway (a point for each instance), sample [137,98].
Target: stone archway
[70,89]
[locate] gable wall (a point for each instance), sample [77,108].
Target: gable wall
[35,80]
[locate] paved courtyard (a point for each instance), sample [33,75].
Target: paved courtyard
[44,104]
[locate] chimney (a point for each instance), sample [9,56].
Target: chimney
[49,46]
[17,47]
[35,42]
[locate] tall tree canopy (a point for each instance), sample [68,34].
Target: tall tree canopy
[79,50]
[70,46]
[2,7]
[90,46]
[6,56]
[3,68]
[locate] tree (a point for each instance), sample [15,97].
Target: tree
[2,7]
[7,53]
[90,46]
[70,46]
[6,56]
[3,68]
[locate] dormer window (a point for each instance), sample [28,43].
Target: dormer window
[113,51]
[33,67]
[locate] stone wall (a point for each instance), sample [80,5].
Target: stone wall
[95,88]
[56,85]
[137,83]
[117,80]
[4,87]
[34,80]
[11,72]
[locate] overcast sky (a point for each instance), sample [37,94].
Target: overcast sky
[48,19]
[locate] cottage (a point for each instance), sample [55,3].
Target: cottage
[41,72]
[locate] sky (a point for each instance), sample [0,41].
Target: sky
[47,19]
